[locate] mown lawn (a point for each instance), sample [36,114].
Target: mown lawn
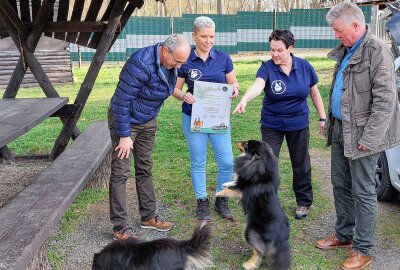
[171,165]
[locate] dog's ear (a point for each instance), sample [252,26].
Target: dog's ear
[242,146]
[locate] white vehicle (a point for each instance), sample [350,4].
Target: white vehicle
[387,174]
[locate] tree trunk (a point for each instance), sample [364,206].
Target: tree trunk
[101,176]
[219,7]
[179,8]
[40,261]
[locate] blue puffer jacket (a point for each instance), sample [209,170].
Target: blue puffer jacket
[141,90]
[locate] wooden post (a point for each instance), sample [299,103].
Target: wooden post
[31,42]
[30,58]
[79,57]
[87,84]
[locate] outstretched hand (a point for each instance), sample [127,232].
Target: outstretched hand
[240,107]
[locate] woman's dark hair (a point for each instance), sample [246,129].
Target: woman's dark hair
[283,35]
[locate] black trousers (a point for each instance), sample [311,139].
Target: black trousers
[297,142]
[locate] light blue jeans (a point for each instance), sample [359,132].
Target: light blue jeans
[197,143]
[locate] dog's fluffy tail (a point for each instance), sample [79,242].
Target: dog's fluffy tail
[197,248]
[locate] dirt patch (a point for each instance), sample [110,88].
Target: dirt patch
[14,178]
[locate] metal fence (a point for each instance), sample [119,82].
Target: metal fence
[243,32]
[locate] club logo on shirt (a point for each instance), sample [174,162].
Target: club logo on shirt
[278,87]
[195,74]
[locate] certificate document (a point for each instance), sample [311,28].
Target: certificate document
[212,109]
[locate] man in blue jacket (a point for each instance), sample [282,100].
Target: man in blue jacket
[146,80]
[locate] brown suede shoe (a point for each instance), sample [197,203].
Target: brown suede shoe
[332,242]
[356,261]
[156,224]
[123,233]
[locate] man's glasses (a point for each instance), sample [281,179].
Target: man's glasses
[176,61]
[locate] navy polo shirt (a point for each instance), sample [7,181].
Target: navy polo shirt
[285,101]
[214,69]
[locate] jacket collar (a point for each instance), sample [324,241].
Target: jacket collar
[340,51]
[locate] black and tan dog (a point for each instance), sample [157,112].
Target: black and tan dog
[161,254]
[267,230]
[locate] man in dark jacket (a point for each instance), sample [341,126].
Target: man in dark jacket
[146,80]
[363,121]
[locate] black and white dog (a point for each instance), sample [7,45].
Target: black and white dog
[267,230]
[160,254]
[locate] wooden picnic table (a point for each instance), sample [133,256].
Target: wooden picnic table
[18,115]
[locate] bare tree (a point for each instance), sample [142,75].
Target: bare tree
[219,7]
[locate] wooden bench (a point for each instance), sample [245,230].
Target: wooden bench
[18,115]
[29,218]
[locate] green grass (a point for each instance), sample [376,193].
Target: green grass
[172,173]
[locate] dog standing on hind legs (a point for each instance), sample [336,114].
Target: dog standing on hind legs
[159,254]
[267,229]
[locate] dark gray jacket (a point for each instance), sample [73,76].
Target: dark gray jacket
[370,108]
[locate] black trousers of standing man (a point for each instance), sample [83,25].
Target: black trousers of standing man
[297,142]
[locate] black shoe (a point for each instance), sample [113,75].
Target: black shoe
[222,208]
[203,213]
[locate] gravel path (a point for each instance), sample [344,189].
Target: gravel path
[94,229]
[385,253]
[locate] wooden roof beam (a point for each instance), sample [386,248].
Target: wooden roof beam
[90,78]
[31,43]
[66,27]
[30,58]
[14,19]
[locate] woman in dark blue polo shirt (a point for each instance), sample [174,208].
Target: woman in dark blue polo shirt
[210,65]
[287,81]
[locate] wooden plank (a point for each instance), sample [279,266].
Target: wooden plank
[12,17]
[28,55]
[13,4]
[35,8]
[50,19]
[76,16]
[37,209]
[133,4]
[90,78]
[62,16]
[94,8]
[94,41]
[83,27]
[25,11]
[17,116]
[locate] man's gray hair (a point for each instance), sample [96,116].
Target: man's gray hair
[203,22]
[174,41]
[347,12]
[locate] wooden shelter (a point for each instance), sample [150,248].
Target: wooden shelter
[90,23]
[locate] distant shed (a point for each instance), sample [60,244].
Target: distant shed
[54,56]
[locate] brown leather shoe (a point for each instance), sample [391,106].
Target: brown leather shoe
[156,224]
[356,261]
[332,242]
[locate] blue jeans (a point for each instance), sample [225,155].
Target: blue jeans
[197,143]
